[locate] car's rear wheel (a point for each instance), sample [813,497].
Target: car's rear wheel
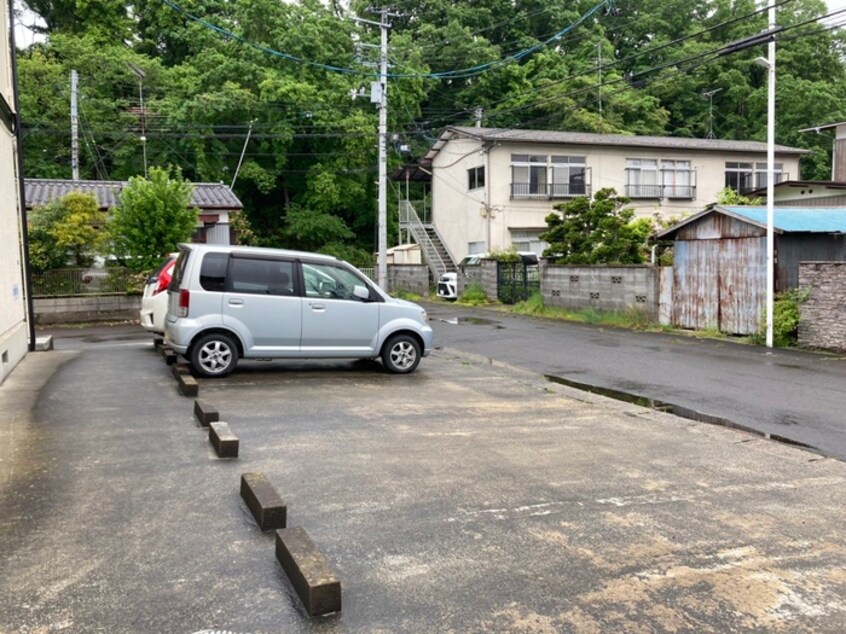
[214,355]
[401,354]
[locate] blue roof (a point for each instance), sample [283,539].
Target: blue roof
[795,219]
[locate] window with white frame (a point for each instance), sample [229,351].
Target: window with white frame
[739,176]
[476,177]
[528,176]
[642,180]
[761,174]
[528,240]
[476,248]
[676,179]
[568,176]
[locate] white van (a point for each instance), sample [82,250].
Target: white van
[230,302]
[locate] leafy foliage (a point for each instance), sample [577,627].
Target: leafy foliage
[311,147]
[153,215]
[474,295]
[786,316]
[598,231]
[68,230]
[730,197]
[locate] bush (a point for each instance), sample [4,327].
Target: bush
[532,306]
[474,295]
[785,319]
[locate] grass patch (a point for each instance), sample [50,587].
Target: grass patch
[406,295]
[631,318]
[473,295]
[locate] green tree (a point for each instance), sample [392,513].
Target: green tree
[44,251]
[153,215]
[598,231]
[79,227]
[69,229]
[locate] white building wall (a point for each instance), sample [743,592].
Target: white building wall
[457,212]
[13,325]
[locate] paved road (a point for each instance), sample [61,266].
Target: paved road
[466,497]
[795,395]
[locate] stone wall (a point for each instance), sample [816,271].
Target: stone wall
[57,310]
[605,288]
[412,278]
[822,322]
[484,274]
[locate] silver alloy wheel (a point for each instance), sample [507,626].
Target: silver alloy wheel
[403,354]
[215,356]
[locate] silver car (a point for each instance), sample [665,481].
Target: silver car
[226,303]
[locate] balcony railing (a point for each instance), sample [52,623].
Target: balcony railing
[677,192]
[645,191]
[762,184]
[682,192]
[551,190]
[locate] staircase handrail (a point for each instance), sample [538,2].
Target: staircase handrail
[409,217]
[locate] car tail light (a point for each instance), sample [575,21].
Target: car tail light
[184,300]
[164,280]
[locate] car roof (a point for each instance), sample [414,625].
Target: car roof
[265,251]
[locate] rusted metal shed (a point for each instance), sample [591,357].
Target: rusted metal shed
[720,261]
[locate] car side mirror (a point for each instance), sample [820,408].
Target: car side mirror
[361,292]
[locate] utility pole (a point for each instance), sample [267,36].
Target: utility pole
[379,96]
[74,126]
[140,74]
[478,113]
[771,80]
[382,275]
[599,70]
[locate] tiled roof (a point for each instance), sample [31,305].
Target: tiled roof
[207,196]
[621,140]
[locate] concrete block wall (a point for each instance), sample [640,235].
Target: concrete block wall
[822,322]
[57,310]
[412,278]
[606,288]
[484,274]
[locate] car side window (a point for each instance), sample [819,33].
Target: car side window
[213,271]
[330,281]
[262,276]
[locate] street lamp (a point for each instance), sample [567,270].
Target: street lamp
[770,64]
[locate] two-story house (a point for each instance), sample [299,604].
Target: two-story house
[492,188]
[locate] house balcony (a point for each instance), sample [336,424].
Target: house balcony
[551,191]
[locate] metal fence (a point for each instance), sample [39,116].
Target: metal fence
[83,282]
[516,281]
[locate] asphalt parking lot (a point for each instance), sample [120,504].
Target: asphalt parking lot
[466,497]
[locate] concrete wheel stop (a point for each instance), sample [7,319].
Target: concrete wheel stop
[309,572]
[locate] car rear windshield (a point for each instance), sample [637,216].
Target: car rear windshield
[179,269]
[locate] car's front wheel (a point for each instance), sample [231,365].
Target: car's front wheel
[214,355]
[401,354]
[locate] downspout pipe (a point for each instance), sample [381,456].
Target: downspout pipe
[27,269]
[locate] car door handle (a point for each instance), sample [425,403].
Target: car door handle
[236,302]
[318,306]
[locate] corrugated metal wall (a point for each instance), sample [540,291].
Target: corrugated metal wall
[720,282]
[791,249]
[695,282]
[742,284]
